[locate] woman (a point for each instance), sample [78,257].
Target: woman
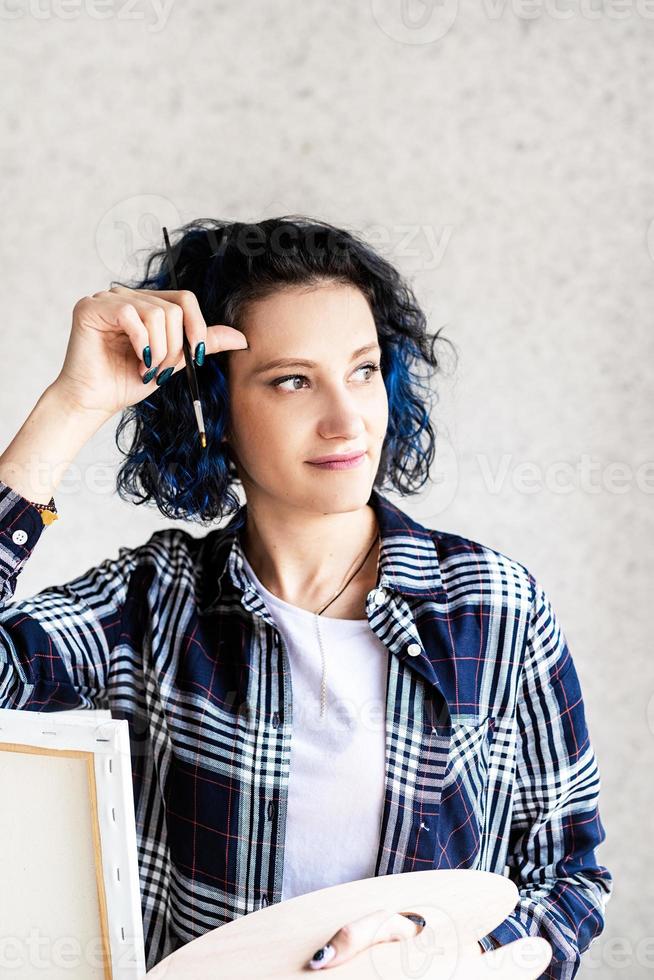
[321,618]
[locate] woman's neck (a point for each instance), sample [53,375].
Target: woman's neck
[309,569]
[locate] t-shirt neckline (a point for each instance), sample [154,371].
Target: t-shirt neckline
[293,609]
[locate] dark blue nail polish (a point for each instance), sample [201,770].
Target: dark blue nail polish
[164,375]
[149,375]
[199,354]
[324,951]
[147,356]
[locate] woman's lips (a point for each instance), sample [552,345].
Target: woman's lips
[340,464]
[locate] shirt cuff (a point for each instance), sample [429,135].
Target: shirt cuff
[507,932]
[21,526]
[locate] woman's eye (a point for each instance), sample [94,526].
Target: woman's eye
[292,377]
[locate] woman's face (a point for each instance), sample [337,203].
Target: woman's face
[337,405]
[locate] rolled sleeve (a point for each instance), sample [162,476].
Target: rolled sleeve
[56,647]
[21,526]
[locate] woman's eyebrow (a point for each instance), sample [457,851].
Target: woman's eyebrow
[299,362]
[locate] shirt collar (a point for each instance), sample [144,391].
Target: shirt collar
[408,558]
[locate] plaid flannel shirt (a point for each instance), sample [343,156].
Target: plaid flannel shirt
[489,764]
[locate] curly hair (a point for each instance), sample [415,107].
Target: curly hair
[228,266]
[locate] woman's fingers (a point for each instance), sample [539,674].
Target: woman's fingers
[163,331]
[171,314]
[141,335]
[159,320]
[376,927]
[222,337]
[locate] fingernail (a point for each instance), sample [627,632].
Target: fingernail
[149,375]
[324,955]
[418,919]
[147,356]
[164,375]
[199,354]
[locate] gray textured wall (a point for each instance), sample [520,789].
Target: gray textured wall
[501,154]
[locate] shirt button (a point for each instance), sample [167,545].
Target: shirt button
[378,597]
[19,537]
[413,649]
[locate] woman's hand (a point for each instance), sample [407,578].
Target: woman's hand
[377,927]
[106,363]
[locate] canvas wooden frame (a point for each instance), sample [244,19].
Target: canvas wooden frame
[70,902]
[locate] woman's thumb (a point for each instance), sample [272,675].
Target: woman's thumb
[220,336]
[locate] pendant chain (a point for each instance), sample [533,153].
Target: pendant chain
[323,684]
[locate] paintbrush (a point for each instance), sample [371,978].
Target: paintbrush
[188,357]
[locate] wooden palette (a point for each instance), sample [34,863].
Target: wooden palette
[460,906]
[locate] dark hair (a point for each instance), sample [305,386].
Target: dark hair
[227,266]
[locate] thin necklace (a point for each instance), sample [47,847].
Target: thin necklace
[323,685]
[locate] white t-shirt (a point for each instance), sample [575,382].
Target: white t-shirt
[337,778]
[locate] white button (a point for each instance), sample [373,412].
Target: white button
[378,597]
[19,537]
[413,649]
